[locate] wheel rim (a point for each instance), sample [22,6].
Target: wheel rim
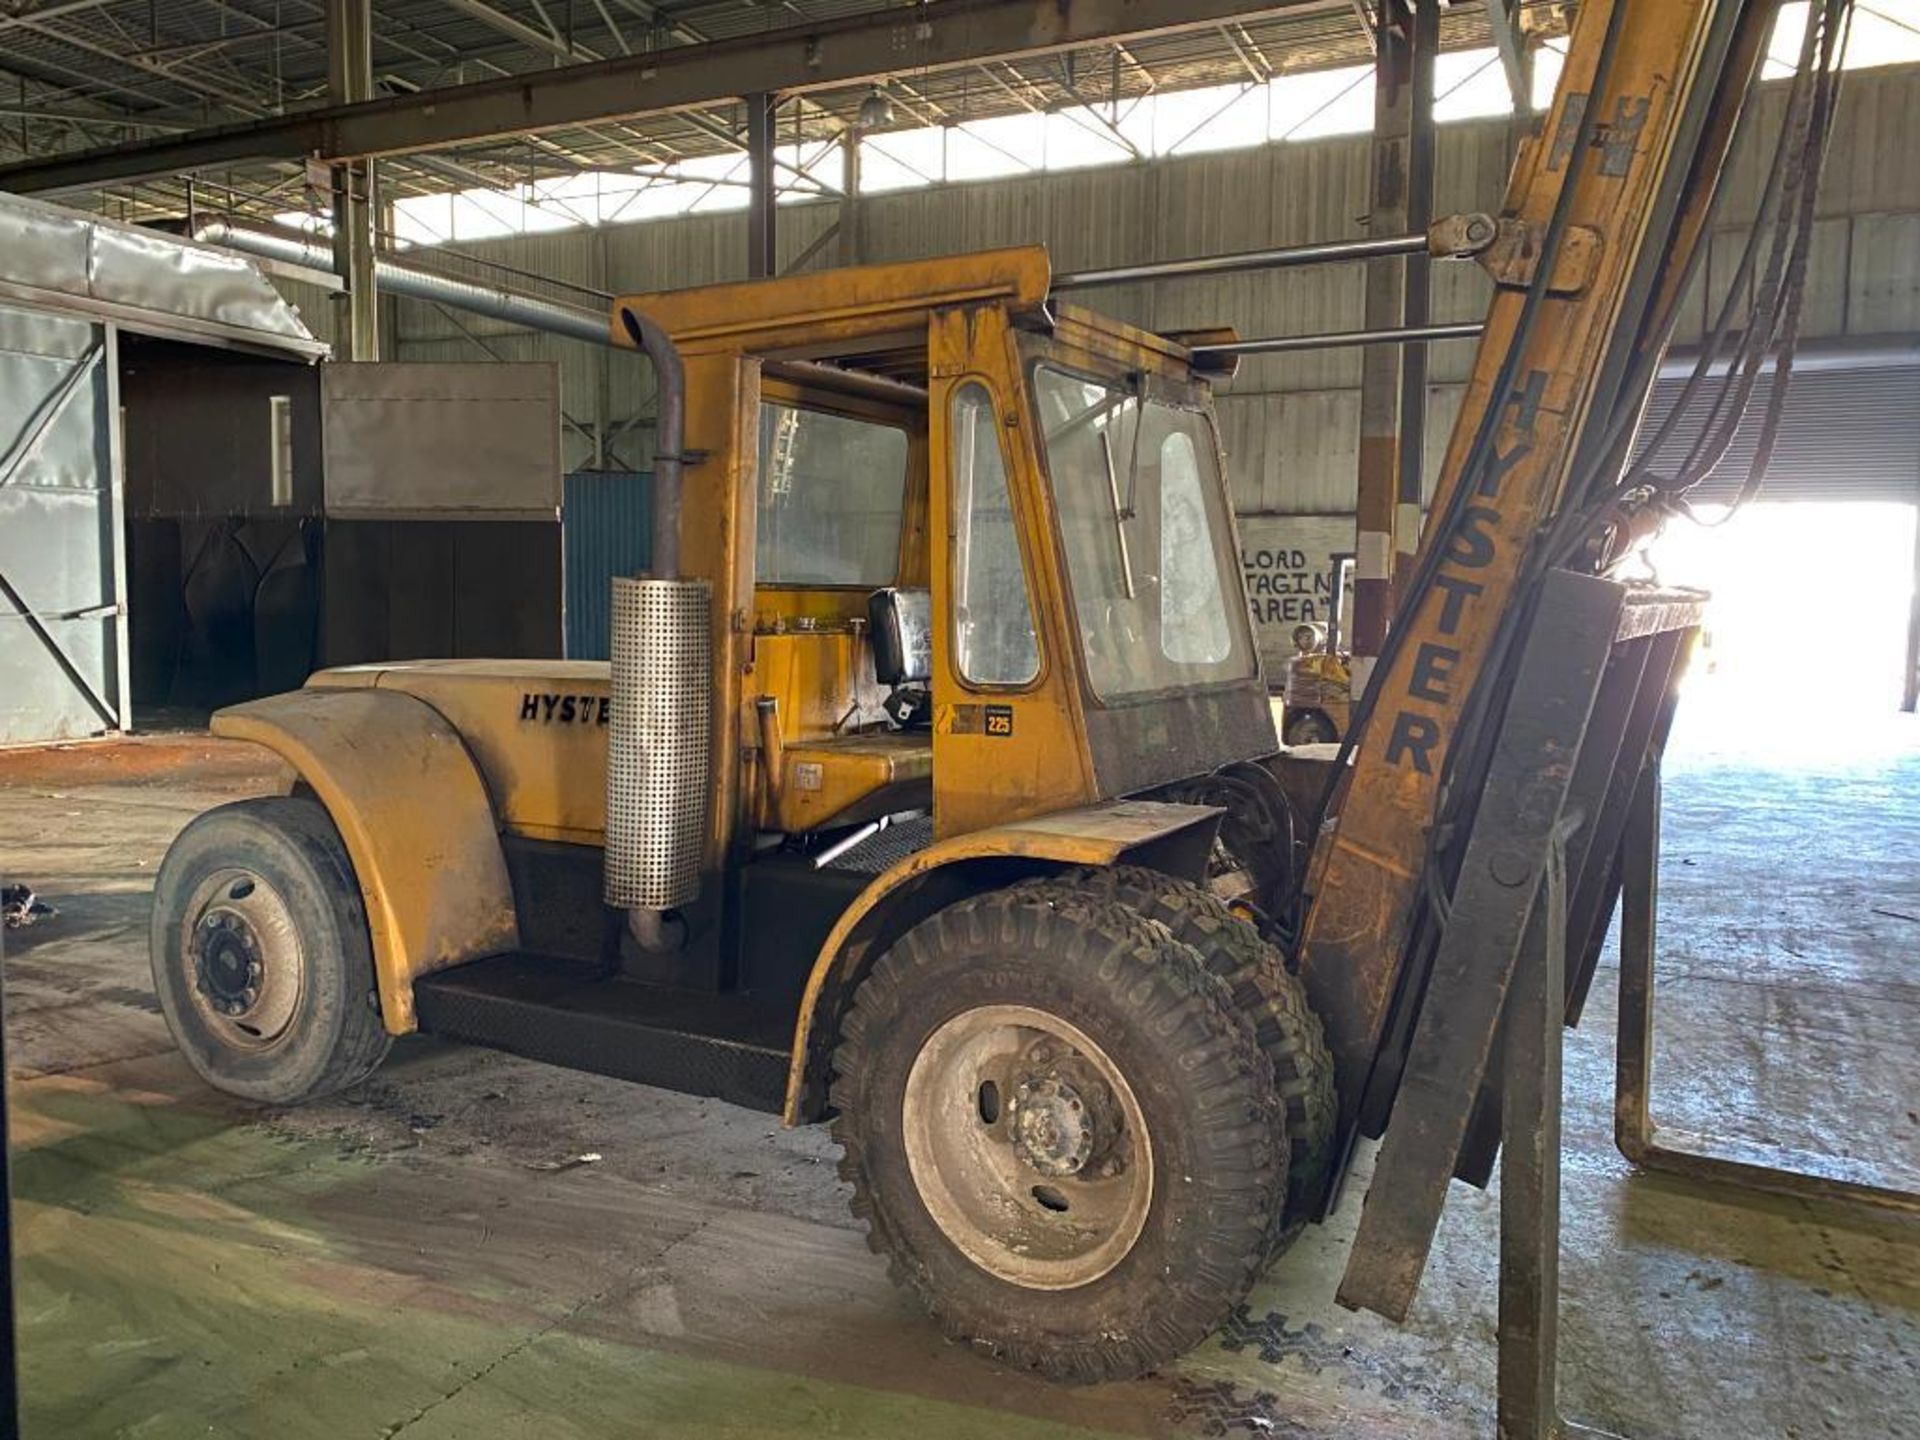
[1027,1146]
[245,967]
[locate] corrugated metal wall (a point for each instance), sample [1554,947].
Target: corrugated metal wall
[1290,422]
[63,631]
[1847,434]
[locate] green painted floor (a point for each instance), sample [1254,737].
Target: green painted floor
[184,1274]
[408,1260]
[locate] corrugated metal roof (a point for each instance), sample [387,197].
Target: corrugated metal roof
[186,63]
[1290,421]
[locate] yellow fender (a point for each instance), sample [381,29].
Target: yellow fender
[1174,838]
[416,819]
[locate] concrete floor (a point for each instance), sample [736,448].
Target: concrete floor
[417,1258]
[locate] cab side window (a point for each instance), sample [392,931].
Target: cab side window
[1194,628]
[994,638]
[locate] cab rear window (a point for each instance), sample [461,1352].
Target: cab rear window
[832,496]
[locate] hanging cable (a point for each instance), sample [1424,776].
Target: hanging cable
[1786,213]
[1772,327]
[1783,222]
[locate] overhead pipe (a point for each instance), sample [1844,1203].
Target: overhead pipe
[416,282]
[1283,257]
[1834,353]
[1337,339]
[1453,237]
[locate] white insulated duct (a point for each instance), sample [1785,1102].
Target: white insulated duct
[418,283]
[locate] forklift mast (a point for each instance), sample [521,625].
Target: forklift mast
[1603,218]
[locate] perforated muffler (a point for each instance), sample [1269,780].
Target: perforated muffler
[658,747]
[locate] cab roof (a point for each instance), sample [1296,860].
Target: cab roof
[874,318]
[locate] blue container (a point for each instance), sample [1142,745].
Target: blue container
[606,526]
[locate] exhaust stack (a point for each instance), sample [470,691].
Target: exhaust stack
[658,743]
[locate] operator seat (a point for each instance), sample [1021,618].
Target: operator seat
[900,622]
[835,777]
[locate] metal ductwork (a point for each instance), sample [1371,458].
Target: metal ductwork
[416,282]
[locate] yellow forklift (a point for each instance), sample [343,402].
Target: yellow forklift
[898,802]
[933,786]
[1317,692]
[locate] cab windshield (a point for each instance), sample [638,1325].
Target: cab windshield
[1148,542]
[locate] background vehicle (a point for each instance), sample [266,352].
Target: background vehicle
[1318,693]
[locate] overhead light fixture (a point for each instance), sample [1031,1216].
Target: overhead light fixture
[876,111]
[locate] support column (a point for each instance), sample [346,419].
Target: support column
[350,80]
[1503,24]
[600,275]
[9,1328]
[1417,309]
[760,189]
[852,243]
[1910,684]
[1381,366]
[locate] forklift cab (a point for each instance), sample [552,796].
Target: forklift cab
[972,614]
[981,558]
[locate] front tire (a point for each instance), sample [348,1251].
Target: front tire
[1274,1002]
[1059,1132]
[261,958]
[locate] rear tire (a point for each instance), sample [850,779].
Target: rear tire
[261,958]
[1085,1184]
[1256,835]
[1273,1000]
[1310,727]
